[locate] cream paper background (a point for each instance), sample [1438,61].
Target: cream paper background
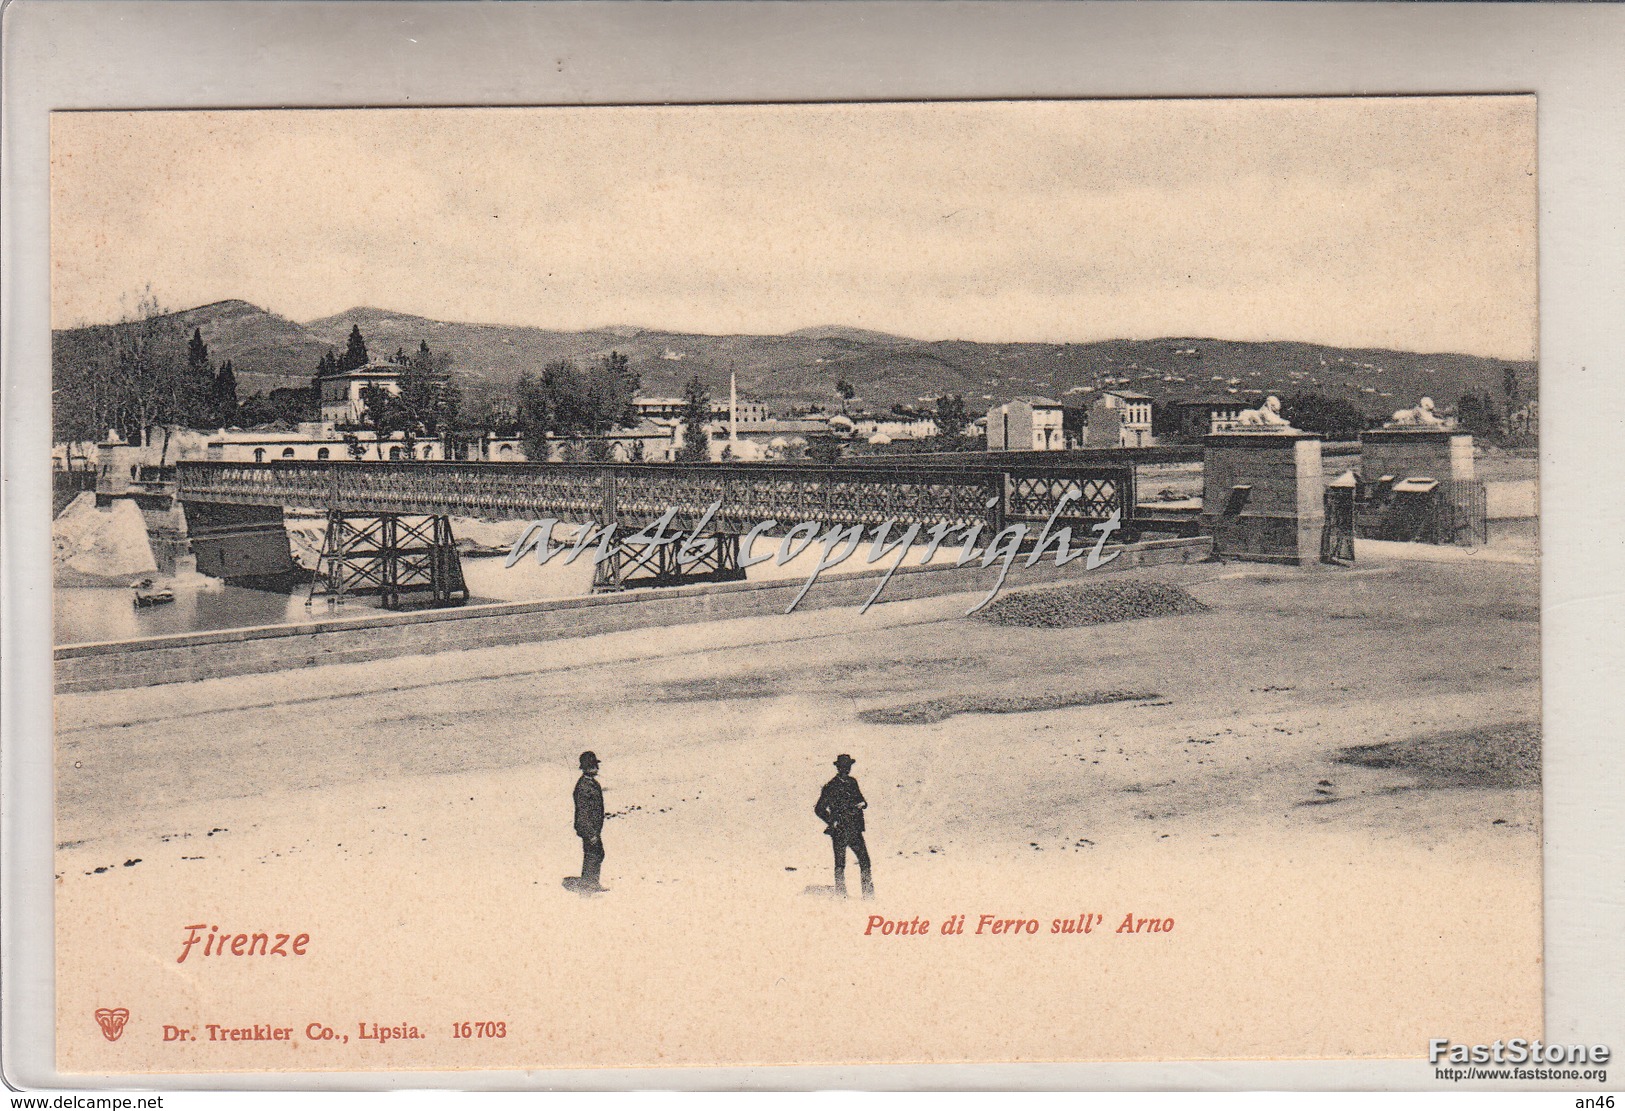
[1293,938]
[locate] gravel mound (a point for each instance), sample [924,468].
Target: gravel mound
[1067,607]
[1498,756]
[721,688]
[940,709]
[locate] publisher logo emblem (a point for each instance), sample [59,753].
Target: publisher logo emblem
[112,1020]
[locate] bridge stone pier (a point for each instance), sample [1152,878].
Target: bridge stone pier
[1444,455]
[237,542]
[1418,484]
[1263,497]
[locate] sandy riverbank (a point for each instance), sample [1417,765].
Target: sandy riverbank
[413,815]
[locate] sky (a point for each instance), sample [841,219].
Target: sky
[1406,223]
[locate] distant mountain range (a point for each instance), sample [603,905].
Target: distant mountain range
[268,351]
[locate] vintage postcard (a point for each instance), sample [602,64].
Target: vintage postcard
[795,584]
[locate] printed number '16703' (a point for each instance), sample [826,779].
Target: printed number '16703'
[479,1029]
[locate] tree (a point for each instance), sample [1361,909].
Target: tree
[429,401]
[86,397]
[285,405]
[485,414]
[225,395]
[824,450]
[139,376]
[355,351]
[531,414]
[464,433]
[150,370]
[198,366]
[1468,414]
[197,352]
[951,417]
[1477,414]
[353,445]
[566,401]
[548,404]
[194,389]
[381,413]
[611,389]
[845,390]
[1517,414]
[696,415]
[1329,416]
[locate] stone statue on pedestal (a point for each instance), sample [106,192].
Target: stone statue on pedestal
[1420,417]
[1266,418]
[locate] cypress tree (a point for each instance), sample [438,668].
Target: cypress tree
[696,414]
[355,351]
[197,352]
[194,401]
[225,394]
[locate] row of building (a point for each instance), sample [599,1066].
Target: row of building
[739,429]
[1115,418]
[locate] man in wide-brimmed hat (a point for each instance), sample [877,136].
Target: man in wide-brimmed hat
[841,806]
[589,799]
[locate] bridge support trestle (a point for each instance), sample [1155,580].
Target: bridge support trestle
[389,554]
[715,560]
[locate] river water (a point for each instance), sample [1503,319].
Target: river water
[93,614]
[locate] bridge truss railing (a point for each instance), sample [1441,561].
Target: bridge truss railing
[633,495]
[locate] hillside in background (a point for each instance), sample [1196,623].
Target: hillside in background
[802,368]
[266,350]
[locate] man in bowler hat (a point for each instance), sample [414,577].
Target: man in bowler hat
[589,799]
[841,806]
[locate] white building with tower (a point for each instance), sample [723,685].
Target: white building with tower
[339,395]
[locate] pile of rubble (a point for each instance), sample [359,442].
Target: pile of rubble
[108,541]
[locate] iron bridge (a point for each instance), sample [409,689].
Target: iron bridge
[633,495]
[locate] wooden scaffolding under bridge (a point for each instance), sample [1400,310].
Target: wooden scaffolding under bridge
[388,554]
